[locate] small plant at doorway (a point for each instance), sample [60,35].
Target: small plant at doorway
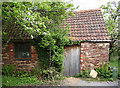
[105,72]
[84,74]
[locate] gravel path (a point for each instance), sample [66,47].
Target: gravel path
[78,82]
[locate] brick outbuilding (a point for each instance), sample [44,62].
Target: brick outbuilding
[86,25]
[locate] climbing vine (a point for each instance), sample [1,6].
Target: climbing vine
[52,55]
[44,22]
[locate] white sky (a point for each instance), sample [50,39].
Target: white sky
[89,4]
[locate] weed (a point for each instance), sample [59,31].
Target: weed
[8,69]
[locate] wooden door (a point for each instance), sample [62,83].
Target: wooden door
[71,60]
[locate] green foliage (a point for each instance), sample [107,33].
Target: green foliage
[114,62]
[71,42]
[18,73]
[23,77]
[51,55]
[47,74]
[84,74]
[36,18]
[69,76]
[104,71]
[22,74]
[43,55]
[44,22]
[30,80]
[8,70]
[111,15]
[4,37]
[13,81]
[37,72]
[37,77]
[50,73]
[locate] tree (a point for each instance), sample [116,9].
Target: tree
[111,14]
[44,22]
[36,18]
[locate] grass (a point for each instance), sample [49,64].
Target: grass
[31,81]
[67,76]
[114,62]
[13,81]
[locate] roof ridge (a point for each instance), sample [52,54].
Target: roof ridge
[90,10]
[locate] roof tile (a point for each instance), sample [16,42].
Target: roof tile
[88,25]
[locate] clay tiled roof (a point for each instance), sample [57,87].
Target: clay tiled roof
[87,25]
[17,34]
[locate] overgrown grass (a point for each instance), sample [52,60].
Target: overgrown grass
[23,78]
[114,62]
[31,81]
[13,81]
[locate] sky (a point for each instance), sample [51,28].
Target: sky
[89,4]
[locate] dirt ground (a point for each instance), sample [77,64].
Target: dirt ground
[79,82]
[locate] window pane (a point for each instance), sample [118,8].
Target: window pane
[16,49]
[22,50]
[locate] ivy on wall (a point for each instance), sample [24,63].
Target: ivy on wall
[52,55]
[43,21]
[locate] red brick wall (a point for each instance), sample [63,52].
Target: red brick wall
[5,55]
[94,54]
[21,63]
[11,51]
[91,54]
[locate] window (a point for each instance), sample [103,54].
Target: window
[22,50]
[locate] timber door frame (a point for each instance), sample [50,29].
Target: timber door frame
[70,63]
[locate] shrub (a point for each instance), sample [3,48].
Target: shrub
[37,72]
[104,71]
[8,69]
[50,73]
[84,74]
[47,74]
[21,74]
